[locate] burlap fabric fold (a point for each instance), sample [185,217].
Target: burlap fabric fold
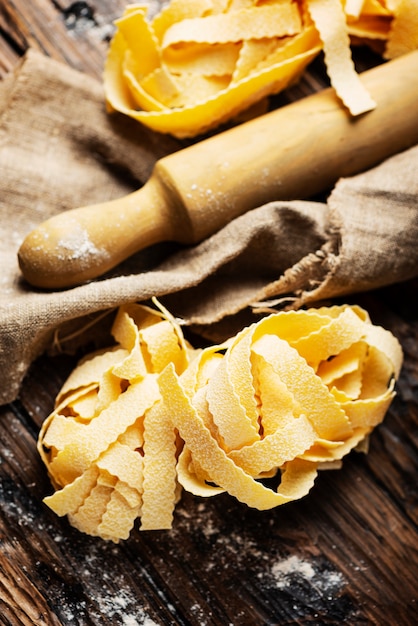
[60,149]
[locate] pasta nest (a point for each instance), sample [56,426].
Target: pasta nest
[196,65]
[288,396]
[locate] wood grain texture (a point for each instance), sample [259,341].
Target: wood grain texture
[74,32]
[346,554]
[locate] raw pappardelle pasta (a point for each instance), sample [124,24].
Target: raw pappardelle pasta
[199,63]
[286,397]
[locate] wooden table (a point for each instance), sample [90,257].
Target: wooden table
[347,553]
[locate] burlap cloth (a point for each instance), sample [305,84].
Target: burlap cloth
[59,149]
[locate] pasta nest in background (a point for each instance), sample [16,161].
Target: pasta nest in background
[198,64]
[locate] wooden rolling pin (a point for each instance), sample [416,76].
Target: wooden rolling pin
[292,153]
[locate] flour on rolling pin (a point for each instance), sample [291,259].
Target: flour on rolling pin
[78,246]
[298,151]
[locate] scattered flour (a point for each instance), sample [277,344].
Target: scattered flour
[241,549]
[294,569]
[284,571]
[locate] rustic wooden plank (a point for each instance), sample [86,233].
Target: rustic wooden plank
[21,601]
[76,33]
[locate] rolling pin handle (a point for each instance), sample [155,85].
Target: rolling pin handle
[80,244]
